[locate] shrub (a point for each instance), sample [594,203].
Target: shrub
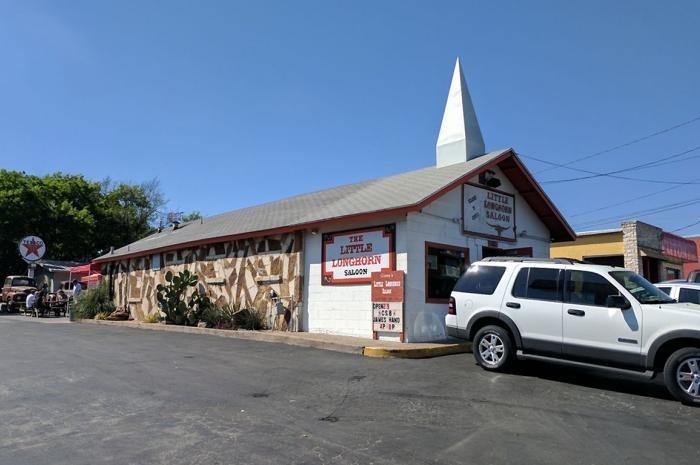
[249,318]
[101,315]
[152,318]
[94,301]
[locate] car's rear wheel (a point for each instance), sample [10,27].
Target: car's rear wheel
[493,348]
[682,375]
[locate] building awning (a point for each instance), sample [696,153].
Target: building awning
[679,247]
[88,268]
[92,278]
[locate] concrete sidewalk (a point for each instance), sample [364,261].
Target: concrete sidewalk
[348,344]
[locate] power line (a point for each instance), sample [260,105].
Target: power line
[626,144]
[624,202]
[640,213]
[614,174]
[686,227]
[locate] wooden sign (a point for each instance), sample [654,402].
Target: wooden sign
[387,302]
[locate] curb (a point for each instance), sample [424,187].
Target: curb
[358,349]
[237,334]
[425,352]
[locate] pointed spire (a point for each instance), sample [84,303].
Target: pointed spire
[460,137]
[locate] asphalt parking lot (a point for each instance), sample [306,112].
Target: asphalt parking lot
[85,394]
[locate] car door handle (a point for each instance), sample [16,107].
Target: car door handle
[512,304]
[575,312]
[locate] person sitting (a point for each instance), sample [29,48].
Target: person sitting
[31,300]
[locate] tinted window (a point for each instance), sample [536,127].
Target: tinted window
[586,288]
[666,290]
[480,279]
[444,268]
[537,283]
[689,295]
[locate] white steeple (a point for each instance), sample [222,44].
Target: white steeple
[460,137]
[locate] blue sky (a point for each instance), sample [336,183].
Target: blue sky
[232,104]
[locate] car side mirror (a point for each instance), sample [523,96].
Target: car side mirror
[617,301]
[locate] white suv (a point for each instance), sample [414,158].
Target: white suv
[569,311]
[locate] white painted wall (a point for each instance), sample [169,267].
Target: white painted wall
[346,309]
[342,309]
[440,222]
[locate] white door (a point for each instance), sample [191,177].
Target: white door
[534,304]
[595,332]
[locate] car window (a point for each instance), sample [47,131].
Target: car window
[537,283]
[587,288]
[479,279]
[689,295]
[23,282]
[640,288]
[665,290]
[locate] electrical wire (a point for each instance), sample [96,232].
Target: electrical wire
[651,164]
[597,174]
[640,213]
[686,227]
[626,144]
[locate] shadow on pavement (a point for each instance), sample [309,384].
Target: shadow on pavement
[595,379]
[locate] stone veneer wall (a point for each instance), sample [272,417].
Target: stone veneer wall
[242,271]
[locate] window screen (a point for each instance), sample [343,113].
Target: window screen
[689,295]
[586,288]
[480,279]
[537,283]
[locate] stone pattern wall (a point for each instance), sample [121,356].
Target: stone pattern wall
[633,260]
[236,272]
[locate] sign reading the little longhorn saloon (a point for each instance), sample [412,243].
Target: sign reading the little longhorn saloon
[350,257]
[32,248]
[488,213]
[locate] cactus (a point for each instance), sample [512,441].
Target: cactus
[171,298]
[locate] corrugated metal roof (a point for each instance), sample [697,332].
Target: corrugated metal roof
[389,193]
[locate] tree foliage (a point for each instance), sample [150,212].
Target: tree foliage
[78,219]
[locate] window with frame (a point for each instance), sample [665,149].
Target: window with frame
[689,295]
[444,266]
[537,283]
[587,288]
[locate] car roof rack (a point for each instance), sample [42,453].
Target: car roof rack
[558,260]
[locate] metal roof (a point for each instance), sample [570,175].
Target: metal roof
[387,194]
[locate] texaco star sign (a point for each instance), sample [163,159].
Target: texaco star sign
[32,248]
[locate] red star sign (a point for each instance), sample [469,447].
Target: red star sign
[32,248]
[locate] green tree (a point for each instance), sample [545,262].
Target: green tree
[77,218]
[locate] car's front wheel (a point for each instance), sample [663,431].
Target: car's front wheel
[493,348]
[682,375]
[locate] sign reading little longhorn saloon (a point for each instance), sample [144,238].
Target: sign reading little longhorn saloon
[488,213]
[350,257]
[32,248]
[387,301]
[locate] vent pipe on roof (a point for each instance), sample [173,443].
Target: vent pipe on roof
[460,137]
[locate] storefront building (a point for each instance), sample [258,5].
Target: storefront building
[646,249]
[308,261]
[692,265]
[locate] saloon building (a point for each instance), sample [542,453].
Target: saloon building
[308,261]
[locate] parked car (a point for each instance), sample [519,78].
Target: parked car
[694,276]
[681,290]
[571,312]
[14,292]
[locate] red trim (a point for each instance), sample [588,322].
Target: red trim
[489,236]
[327,277]
[436,245]
[508,155]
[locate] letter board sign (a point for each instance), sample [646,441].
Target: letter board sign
[488,213]
[387,302]
[350,257]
